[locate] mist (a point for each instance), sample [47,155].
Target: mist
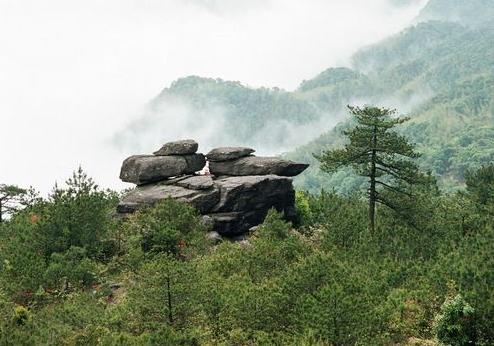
[73,73]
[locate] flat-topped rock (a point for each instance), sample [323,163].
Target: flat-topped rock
[228,153]
[143,169]
[256,165]
[148,195]
[182,147]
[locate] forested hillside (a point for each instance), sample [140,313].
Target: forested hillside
[72,274]
[441,75]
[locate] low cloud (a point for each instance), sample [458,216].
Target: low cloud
[74,73]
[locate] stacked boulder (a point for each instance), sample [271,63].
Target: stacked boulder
[234,196]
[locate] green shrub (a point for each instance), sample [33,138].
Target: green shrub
[76,215]
[455,324]
[274,227]
[170,227]
[21,315]
[72,267]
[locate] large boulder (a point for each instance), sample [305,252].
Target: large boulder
[142,169]
[148,195]
[228,153]
[255,165]
[183,147]
[254,193]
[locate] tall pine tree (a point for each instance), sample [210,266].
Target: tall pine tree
[379,153]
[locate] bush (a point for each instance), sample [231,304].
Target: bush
[73,266]
[21,315]
[274,227]
[77,215]
[170,227]
[455,324]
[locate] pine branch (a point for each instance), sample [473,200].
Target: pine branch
[395,189]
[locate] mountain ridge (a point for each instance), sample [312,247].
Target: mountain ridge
[439,72]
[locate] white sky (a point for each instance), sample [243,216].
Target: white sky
[74,72]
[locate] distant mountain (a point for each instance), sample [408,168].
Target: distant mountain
[467,12]
[218,112]
[442,75]
[440,72]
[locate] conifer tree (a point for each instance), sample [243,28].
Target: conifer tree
[12,198]
[379,153]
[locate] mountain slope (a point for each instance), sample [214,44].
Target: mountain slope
[447,72]
[467,12]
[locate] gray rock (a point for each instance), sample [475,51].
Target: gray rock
[254,193]
[236,201]
[228,153]
[183,147]
[231,224]
[255,165]
[207,222]
[214,237]
[148,195]
[254,229]
[141,169]
[198,182]
[195,163]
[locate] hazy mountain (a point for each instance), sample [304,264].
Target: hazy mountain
[468,12]
[440,72]
[218,112]
[442,75]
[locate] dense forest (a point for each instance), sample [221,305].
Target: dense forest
[402,263]
[72,274]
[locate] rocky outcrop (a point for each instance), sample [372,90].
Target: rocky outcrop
[253,165]
[183,147]
[228,153]
[142,169]
[236,197]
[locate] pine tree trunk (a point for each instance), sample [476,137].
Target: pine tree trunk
[372,189]
[169,299]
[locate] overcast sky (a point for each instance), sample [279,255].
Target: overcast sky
[74,72]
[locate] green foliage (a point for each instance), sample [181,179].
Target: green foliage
[375,151]
[274,227]
[455,324]
[78,215]
[171,227]
[21,315]
[480,187]
[14,198]
[71,268]
[328,282]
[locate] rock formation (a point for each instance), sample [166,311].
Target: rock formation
[234,196]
